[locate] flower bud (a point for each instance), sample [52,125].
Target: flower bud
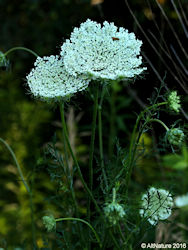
[49,222]
[175,136]
[174,101]
[3,60]
[114,212]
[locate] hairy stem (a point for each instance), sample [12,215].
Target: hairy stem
[91,153]
[112,132]
[101,137]
[79,170]
[75,160]
[70,177]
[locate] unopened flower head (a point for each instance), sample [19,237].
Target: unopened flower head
[174,101]
[156,205]
[102,52]
[175,136]
[114,212]
[49,79]
[49,222]
[181,201]
[3,60]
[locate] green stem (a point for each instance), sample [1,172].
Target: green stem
[17,165]
[101,137]
[75,160]
[91,153]
[113,195]
[159,121]
[66,156]
[85,222]
[26,186]
[93,130]
[121,234]
[79,171]
[20,48]
[112,132]
[70,178]
[133,146]
[114,240]
[32,218]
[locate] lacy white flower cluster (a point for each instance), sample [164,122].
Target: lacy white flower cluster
[102,52]
[92,52]
[156,205]
[114,212]
[181,201]
[49,79]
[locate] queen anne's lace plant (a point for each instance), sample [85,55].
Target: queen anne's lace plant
[49,79]
[174,101]
[156,205]
[181,201]
[102,52]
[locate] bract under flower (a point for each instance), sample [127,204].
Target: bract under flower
[102,52]
[49,79]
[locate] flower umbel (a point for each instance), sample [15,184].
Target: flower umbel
[174,101]
[49,222]
[49,79]
[156,205]
[114,212]
[175,136]
[102,52]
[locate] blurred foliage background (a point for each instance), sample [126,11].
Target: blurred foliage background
[29,125]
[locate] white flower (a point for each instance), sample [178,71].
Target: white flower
[49,79]
[102,52]
[156,205]
[114,212]
[181,201]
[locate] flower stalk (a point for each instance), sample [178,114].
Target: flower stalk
[20,48]
[133,144]
[74,158]
[85,222]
